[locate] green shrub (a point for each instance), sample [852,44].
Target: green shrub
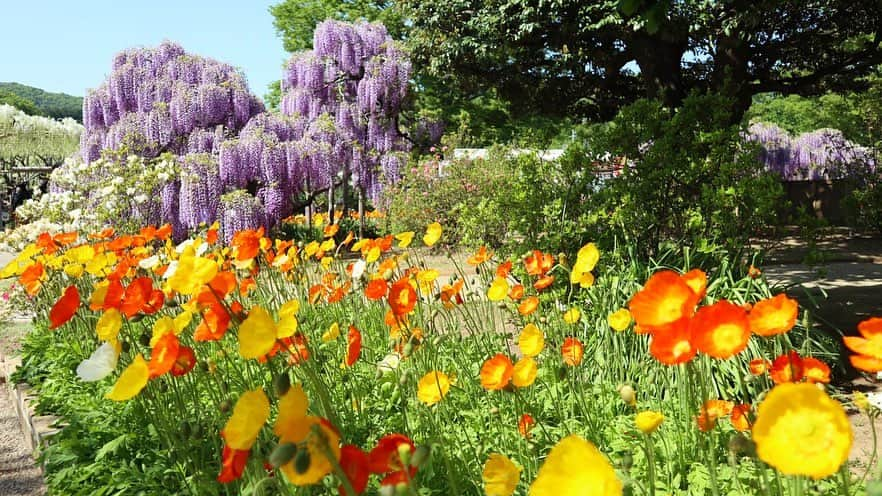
[690,176]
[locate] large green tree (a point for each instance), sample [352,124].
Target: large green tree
[295,20]
[574,57]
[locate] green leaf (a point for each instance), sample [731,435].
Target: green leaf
[110,447]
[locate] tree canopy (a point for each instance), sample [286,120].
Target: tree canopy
[295,20]
[57,105]
[569,57]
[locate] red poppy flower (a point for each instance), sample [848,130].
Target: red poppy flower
[353,346]
[787,368]
[814,370]
[356,466]
[503,269]
[232,465]
[525,425]
[773,315]
[185,361]
[215,322]
[572,351]
[711,411]
[538,263]
[65,308]
[141,297]
[32,278]
[759,366]
[385,458]
[496,372]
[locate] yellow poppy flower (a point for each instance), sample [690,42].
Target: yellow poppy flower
[619,320]
[586,260]
[131,381]
[257,334]
[292,411]
[648,421]
[249,415]
[575,467]
[500,475]
[432,387]
[332,333]
[192,272]
[572,316]
[498,289]
[531,341]
[404,239]
[800,430]
[433,234]
[108,325]
[524,372]
[318,437]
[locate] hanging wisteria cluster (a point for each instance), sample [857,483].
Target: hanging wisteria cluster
[821,154]
[156,98]
[350,89]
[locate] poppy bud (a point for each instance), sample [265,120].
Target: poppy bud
[185,429]
[283,454]
[387,274]
[124,345]
[282,384]
[562,258]
[494,411]
[420,456]
[144,339]
[196,431]
[302,461]
[224,406]
[387,490]
[627,461]
[172,303]
[628,395]
[408,349]
[403,380]
[741,445]
[137,318]
[404,453]
[401,489]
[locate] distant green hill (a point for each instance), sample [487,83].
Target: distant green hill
[57,105]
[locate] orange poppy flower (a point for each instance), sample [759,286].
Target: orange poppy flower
[353,346]
[402,297]
[538,263]
[121,243]
[330,230]
[543,282]
[232,464]
[66,238]
[185,361]
[814,370]
[140,297]
[572,351]
[720,330]
[673,345]
[517,292]
[480,256]
[246,285]
[787,368]
[773,316]
[759,366]
[868,348]
[450,293]
[297,348]
[739,417]
[528,306]
[32,278]
[503,269]
[215,322]
[754,272]
[496,372]
[666,298]
[316,293]
[711,411]
[348,239]
[525,425]
[164,355]
[247,243]
[696,279]
[356,466]
[65,308]
[46,243]
[113,297]
[376,289]
[107,233]
[222,284]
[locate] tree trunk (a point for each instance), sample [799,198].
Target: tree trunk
[660,59]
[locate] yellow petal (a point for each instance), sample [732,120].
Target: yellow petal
[108,325]
[373,254]
[524,373]
[292,411]
[500,475]
[433,234]
[131,381]
[290,308]
[332,333]
[257,334]
[249,415]
[531,341]
[404,239]
[575,466]
[498,289]
[572,316]
[587,257]
[287,327]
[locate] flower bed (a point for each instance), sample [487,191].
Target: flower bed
[265,367]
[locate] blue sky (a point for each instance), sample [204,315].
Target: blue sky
[67,45]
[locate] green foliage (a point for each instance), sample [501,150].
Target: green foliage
[21,103]
[295,20]
[55,105]
[273,96]
[690,176]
